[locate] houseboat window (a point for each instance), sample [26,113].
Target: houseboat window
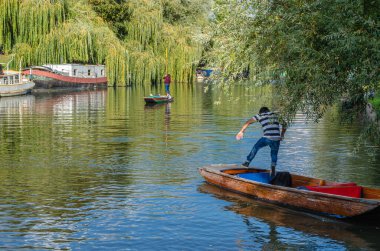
[6,80]
[75,72]
[17,79]
[102,72]
[89,72]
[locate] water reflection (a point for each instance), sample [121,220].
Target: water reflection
[327,150]
[83,170]
[23,104]
[275,221]
[47,187]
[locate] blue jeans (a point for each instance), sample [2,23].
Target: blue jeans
[274,147]
[167,88]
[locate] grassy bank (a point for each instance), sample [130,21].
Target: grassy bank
[376,103]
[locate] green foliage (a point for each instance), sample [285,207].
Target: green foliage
[376,103]
[116,14]
[151,35]
[315,52]
[51,32]
[131,38]
[186,12]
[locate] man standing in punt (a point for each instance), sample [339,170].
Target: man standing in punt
[272,136]
[167,80]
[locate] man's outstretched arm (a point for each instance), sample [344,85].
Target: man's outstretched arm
[240,134]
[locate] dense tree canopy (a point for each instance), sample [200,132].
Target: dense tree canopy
[130,37]
[314,52]
[116,13]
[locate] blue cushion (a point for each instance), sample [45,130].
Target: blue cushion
[303,188]
[259,177]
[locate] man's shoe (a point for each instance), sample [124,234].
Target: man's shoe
[246,164]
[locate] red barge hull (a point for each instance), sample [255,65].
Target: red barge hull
[49,80]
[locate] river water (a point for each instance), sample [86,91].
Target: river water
[99,170]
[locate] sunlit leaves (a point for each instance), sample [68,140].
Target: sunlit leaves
[315,52]
[130,37]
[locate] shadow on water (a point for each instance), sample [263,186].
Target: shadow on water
[277,218]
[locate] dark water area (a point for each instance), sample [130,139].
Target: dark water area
[99,170]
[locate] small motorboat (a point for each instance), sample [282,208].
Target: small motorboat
[12,83]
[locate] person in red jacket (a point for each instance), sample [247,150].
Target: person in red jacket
[167,80]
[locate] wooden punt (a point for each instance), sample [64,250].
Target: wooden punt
[366,207]
[158,99]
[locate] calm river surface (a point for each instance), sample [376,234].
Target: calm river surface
[99,170]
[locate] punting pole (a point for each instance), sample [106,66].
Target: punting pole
[166,62]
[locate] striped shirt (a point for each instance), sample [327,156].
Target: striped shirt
[270,124]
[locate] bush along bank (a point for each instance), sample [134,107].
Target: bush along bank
[375,103]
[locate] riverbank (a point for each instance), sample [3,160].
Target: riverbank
[375,104]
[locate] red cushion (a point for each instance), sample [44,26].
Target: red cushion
[350,191]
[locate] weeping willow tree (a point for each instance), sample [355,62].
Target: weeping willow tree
[150,34]
[29,21]
[130,38]
[40,32]
[144,36]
